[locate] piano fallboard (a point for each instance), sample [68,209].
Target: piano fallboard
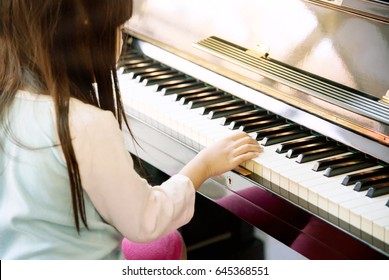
[288,200]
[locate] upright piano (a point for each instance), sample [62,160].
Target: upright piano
[308,79]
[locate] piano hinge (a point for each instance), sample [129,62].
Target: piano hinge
[259,51]
[385,98]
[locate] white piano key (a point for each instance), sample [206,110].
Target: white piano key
[299,173]
[380,232]
[367,223]
[367,209]
[343,207]
[333,209]
[268,160]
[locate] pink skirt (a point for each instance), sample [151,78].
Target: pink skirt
[168,247]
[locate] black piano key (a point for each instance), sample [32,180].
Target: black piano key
[155,80]
[158,73]
[251,119]
[185,100]
[355,177]
[213,99]
[222,112]
[253,127]
[320,154]
[260,134]
[197,96]
[171,82]
[207,109]
[378,190]
[359,187]
[144,71]
[181,87]
[238,116]
[283,137]
[325,163]
[137,60]
[365,184]
[143,68]
[129,55]
[387,203]
[179,95]
[284,147]
[345,167]
[311,147]
[133,61]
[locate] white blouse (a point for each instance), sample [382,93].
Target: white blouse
[35,205]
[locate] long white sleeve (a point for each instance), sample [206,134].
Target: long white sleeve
[125,200]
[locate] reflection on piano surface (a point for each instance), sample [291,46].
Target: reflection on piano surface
[322,184]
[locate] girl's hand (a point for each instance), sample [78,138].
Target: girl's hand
[222,156]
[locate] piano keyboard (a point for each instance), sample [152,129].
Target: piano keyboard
[342,185]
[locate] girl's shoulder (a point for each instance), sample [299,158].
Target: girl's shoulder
[86,117]
[82,116]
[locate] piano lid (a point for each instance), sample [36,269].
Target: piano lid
[344,42]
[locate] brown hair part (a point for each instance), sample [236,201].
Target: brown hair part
[60,48]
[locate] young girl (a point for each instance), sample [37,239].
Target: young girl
[68,189]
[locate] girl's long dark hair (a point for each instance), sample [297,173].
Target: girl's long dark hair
[61,48]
